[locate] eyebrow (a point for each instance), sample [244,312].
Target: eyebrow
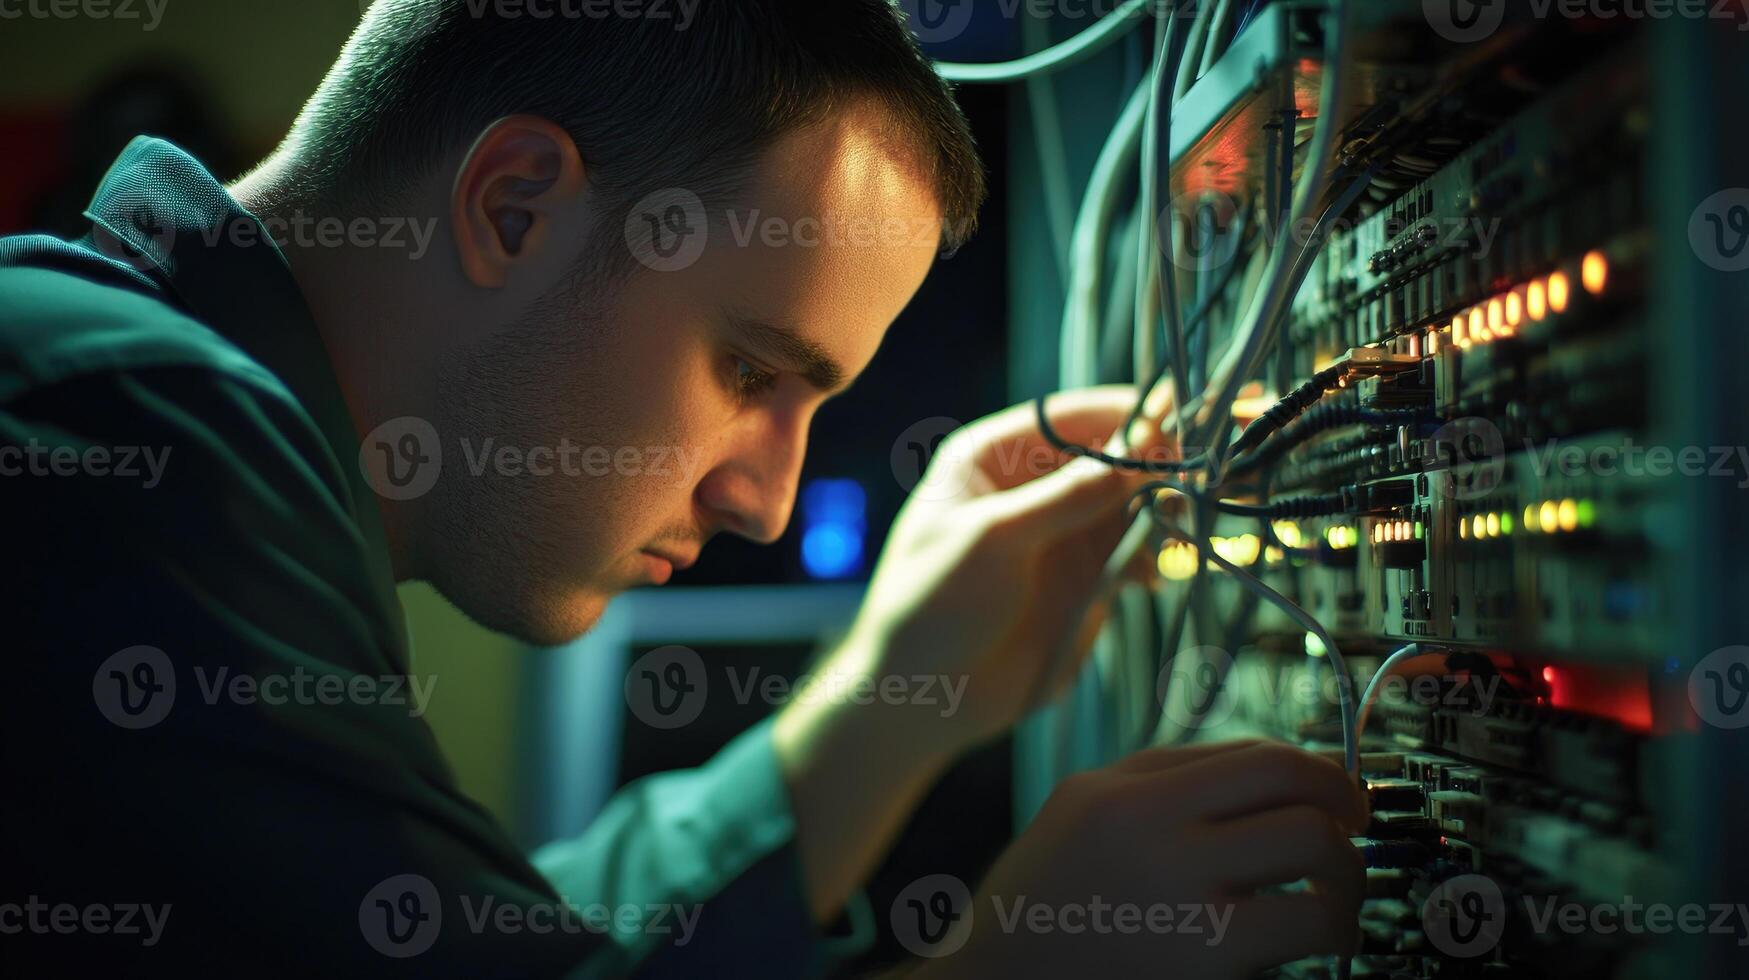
[793,352]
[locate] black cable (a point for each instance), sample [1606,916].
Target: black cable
[1196,319]
[1319,419]
[1316,505]
[1176,358]
[1119,462]
[1289,408]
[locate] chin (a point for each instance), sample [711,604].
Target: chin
[563,620]
[545,620]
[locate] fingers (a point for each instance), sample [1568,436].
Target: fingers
[1163,757]
[1265,777]
[1009,449]
[1063,501]
[1286,845]
[1145,434]
[1087,416]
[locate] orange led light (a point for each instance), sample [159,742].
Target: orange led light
[1514,310]
[1496,316]
[1594,272]
[1478,331]
[1432,342]
[1558,287]
[1537,300]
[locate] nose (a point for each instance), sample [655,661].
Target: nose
[752,489]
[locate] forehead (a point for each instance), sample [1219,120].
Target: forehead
[833,233]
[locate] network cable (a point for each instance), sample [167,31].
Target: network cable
[1344,681]
[1054,58]
[1378,677]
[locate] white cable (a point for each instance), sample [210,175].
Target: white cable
[1148,267]
[1053,163]
[1077,357]
[1188,62]
[1054,58]
[1212,49]
[1372,686]
[1310,188]
[1266,331]
[1344,682]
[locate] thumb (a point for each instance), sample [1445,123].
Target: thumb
[1065,499]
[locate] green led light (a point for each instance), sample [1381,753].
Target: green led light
[1587,513]
[1505,522]
[1418,530]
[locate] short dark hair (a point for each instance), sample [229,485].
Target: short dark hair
[650,103]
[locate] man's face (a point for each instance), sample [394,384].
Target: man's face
[611,436]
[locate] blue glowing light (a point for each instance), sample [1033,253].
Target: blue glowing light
[834,526]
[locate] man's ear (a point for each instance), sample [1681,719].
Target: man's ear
[517,192]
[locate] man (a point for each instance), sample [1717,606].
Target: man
[281,405]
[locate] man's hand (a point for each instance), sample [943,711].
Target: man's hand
[990,572]
[1206,827]
[986,588]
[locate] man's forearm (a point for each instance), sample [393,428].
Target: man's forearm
[855,774]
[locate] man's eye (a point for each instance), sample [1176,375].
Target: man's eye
[751,381]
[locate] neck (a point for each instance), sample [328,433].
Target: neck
[353,277]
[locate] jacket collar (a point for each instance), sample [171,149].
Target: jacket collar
[159,211]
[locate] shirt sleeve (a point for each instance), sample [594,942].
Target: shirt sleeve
[718,843]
